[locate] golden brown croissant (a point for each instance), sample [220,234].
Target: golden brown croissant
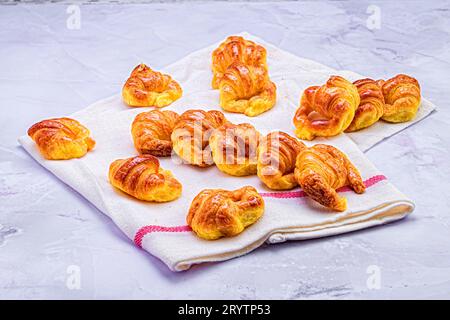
[327,110]
[236,48]
[277,153]
[143,178]
[371,106]
[151,132]
[190,136]
[234,148]
[61,138]
[221,213]
[402,98]
[246,89]
[321,169]
[146,87]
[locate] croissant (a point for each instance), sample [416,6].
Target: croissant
[371,106]
[190,136]
[246,89]
[327,110]
[402,98]
[143,178]
[221,213]
[277,153]
[151,132]
[146,87]
[234,148]
[321,169]
[61,138]
[236,48]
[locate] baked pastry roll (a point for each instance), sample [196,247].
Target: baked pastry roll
[216,213]
[61,138]
[234,148]
[190,136]
[246,89]
[146,87]
[151,132]
[371,106]
[143,178]
[321,169]
[277,153]
[402,98]
[326,110]
[233,49]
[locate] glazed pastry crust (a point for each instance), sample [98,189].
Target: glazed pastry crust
[246,89]
[277,153]
[233,49]
[321,169]
[151,132]
[402,98]
[61,138]
[146,87]
[234,148]
[371,106]
[327,110]
[143,178]
[216,213]
[190,136]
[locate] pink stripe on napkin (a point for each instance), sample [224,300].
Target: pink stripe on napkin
[280,195]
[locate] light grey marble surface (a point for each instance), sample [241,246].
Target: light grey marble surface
[49,70]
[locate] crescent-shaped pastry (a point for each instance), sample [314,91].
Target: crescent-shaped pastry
[327,110]
[146,87]
[246,89]
[236,48]
[402,98]
[151,132]
[143,178]
[221,213]
[61,138]
[190,136]
[321,169]
[277,153]
[371,106]
[234,148]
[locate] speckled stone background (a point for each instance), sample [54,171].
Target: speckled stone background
[54,244]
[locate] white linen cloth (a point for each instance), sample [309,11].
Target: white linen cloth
[161,228]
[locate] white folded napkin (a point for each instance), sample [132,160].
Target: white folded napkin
[161,228]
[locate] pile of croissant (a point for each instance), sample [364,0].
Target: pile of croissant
[204,138]
[341,106]
[241,74]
